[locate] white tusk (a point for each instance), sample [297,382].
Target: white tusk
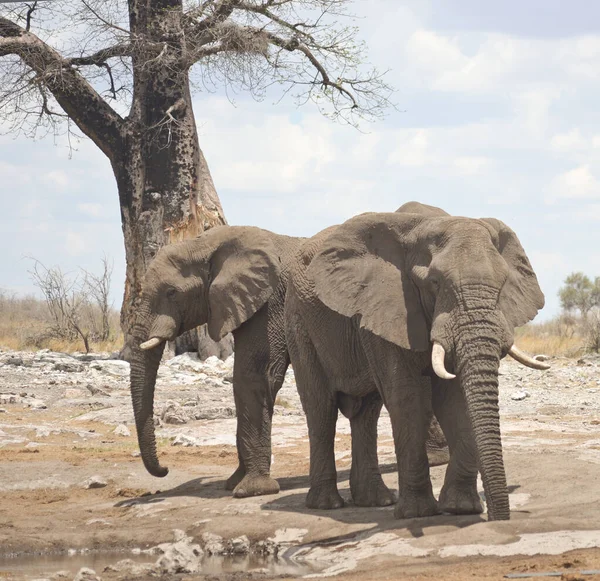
[523,358]
[437,361]
[151,343]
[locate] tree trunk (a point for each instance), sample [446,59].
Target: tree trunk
[165,188]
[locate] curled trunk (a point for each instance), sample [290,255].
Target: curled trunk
[478,358]
[144,369]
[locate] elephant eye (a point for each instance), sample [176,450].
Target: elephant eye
[170,294]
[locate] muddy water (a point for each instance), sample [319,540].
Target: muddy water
[34,566]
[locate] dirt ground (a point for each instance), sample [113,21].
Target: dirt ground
[65,419]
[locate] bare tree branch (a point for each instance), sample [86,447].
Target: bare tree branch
[75,95]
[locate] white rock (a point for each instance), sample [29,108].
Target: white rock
[173,413]
[74,393]
[36,404]
[45,431]
[519,395]
[95,482]
[122,430]
[86,574]
[9,398]
[240,545]
[186,361]
[111,367]
[213,544]
[182,556]
[186,441]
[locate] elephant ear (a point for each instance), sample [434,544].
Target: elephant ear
[244,270]
[359,272]
[521,297]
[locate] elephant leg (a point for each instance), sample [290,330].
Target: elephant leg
[254,406]
[437,447]
[254,388]
[366,485]
[321,409]
[459,493]
[406,395]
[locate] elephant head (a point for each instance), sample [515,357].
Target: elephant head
[221,279]
[453,287]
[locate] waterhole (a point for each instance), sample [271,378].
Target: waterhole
[36,566]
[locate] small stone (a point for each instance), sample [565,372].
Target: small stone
[9,398]
[122,430]
[174,414]
[74,393]
[542,357]
[111,367]
[519,395]
[266,548]
[68,367]
[86,574]
[213,544]
[44,431]
[183,440]
[2,411]
[182,556]
[240,545]
[14,360]
[136,454]
[95,482]
[98,391]
[36,404]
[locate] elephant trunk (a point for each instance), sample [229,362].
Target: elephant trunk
[478,358]
[144,369]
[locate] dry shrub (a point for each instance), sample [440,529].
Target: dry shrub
[26,325]
[561,336]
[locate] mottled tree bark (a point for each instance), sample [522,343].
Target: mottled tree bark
[166,191]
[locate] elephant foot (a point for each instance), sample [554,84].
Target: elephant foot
[413,504]
[376,493]
[255,486]
[235,478]
[324,497]
[460,499]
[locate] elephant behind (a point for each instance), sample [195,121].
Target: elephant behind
[373,307]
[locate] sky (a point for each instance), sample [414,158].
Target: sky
[497,116]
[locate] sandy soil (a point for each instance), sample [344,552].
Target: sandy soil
[64,420]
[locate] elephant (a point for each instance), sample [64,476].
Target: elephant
[383,307]
[233,279]
[230,278]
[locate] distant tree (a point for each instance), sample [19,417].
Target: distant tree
[120,72]
[78,305]
[580,293]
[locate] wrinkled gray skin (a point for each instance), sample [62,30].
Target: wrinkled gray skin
[364,305]
[233,278]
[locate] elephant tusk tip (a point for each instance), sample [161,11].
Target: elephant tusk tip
[150,344]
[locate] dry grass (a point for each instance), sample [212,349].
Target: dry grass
[25,326]
[556,338]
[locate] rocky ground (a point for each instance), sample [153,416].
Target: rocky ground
[76,502]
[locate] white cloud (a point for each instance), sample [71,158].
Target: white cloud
[14,175]
[547,261]
[570,141]
[57,179]
[94,210]
[576,184]
[412,148]
[75,244]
